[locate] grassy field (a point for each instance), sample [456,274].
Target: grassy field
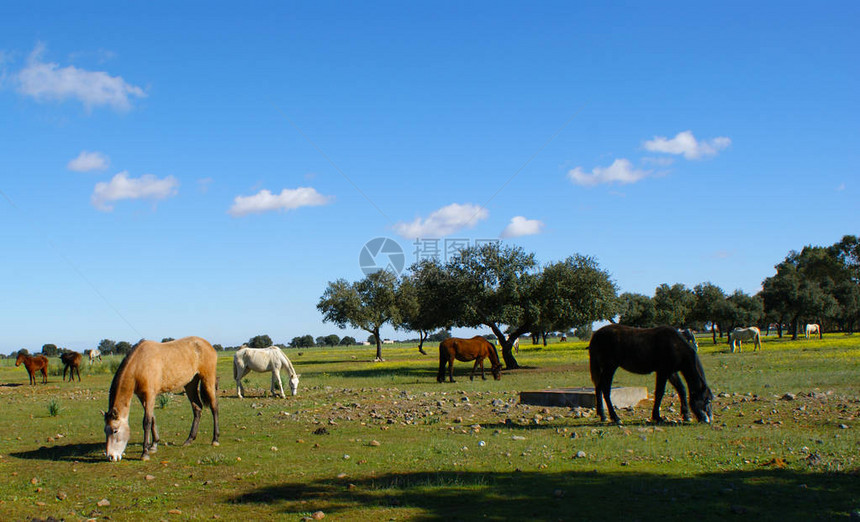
[384,441]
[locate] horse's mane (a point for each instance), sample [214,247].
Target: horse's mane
[116,377]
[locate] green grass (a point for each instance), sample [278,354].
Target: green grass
[398,445]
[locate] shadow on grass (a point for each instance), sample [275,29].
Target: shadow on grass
[86,452]
[771,494]
[11,385]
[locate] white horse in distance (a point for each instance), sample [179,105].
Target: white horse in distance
[738,335]
[812,329]
[270,359]
[95,354]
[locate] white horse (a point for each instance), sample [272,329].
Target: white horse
[738,335]
[95,354]
[270,359]
[812,329]
[690,337]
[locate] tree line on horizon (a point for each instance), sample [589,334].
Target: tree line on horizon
[504,289]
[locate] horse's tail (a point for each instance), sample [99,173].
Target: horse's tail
[593,362]
[204,392]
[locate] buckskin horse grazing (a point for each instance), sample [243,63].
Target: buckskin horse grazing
[71,362]
[645,350]
[475,349]
[152,368]
[32,364]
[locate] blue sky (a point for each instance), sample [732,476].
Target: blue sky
[206,168]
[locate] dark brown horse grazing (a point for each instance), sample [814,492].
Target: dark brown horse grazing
[71,362]
[32,364]
[153,368]
[646,350]
[475,349]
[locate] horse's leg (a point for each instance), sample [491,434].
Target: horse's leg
[193,395]
[659,390]
[208,387]
[66,367]
[44,375]
[276,375]
[148,402]
[451,368]
[678,384]
[78,369]
[241,375]
[604,389]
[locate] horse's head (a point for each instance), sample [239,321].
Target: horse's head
[497,372]
[19,359]
[294,384]
[117,434]
[700,403]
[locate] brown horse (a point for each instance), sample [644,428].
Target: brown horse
[71,362]
[152,368]
[475,349]
[32,364]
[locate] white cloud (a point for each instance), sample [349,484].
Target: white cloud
[520,226]
[621,171]
[87,161]
[660,162]
[122,186]
[443,222]
[684,143]
[288,199]
[48,81]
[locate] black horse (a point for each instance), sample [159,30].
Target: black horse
[646,350]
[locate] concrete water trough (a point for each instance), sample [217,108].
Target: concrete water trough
[622,397]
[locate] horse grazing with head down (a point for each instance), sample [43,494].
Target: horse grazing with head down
[71,362]
[738,335]
[475,349]
[94,354]
[152,368]
[270,359]
[33,364]
[813,329]
[645,350]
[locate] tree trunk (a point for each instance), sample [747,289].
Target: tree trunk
[714,331]
[543,334]
[507,346]
[422,336]
[795,323]
[378,345]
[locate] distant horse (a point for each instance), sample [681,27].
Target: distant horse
[32,364]
[690,337]
[563,339]
[71,362]
[516,345]
[738,335]
[646,350]
[270,359]
[812,329]
[95,354]
[475,349]
[153,368]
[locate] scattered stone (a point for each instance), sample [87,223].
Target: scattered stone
[789,397]
[62,495]
[274,448]
[374,443]
[34,481]
[318,515]
[321,431]
[175,512]
[346,457]
[518,437]
[843,426]
[341,475]
[103,503]
[581,454]
[149,477]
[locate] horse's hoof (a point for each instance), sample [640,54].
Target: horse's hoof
[216,443]
[145,456]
